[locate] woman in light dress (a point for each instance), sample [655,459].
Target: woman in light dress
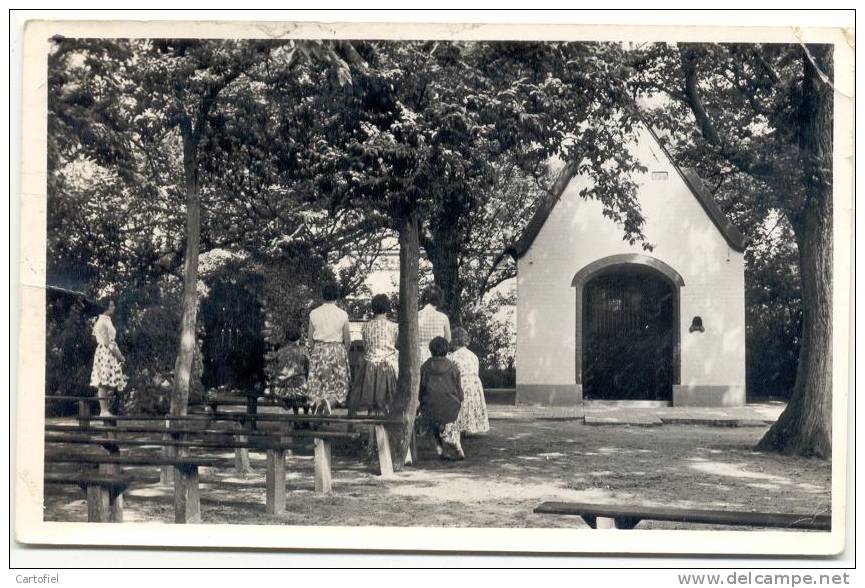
[432,322]
[375,382]
[107,370]
[473,418]
[329,338]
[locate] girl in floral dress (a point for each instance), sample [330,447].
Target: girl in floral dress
[375,381]
[292,371]
[473,416]
[107,370]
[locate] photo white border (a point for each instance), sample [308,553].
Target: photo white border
[31,358]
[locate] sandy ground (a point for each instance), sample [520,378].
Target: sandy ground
[506,474]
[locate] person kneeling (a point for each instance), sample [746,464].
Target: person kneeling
[441,396]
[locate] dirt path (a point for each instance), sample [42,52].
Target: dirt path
[506,473]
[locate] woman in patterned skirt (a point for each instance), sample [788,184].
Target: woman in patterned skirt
[375,381]
[107,370]
[473,411]
[329,338]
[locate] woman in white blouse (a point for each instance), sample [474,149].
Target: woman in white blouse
[329,339]
[107,361]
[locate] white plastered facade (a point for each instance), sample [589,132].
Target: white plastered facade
[711,369]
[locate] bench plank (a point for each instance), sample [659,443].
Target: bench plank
[210,432]
[632,515]
[227,445]
[137,460]
[267,416]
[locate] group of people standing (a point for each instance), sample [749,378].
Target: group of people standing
[328,381]
[451,395]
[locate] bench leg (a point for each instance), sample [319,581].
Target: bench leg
[275,481]
[384,458]
[166,473]
[626,522]
[241,459]
[413,457]
[605,523]
[84,413]
[115,499]
[288,440]
[611,523]
[323,483]
[115,502]
[187,503]
[98,504]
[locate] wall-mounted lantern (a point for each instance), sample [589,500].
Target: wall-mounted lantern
[697,325]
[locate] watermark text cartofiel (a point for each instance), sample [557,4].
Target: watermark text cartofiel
[37,579]
[764,579]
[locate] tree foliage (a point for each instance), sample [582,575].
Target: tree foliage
[303,155]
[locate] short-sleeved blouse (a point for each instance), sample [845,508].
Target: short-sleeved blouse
[103,331]
[379,338]
[432,324]
[329,324]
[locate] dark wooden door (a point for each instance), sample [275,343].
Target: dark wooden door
[628,336]
[234,345]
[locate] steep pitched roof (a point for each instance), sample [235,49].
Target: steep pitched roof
[728,230]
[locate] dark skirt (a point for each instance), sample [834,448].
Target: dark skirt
[374,387]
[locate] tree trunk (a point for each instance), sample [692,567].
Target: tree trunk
[406,402]
[443,253]
[805,426]
[186,348]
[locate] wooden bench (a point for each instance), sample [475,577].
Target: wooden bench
[377,424]
[104,492]
[610,516]
[187,502]
[248,421]
[301,433]
[273,444]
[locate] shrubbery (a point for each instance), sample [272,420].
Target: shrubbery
[69,348]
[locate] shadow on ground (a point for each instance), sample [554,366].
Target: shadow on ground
[505,475]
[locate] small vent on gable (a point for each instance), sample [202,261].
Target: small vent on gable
[659,176]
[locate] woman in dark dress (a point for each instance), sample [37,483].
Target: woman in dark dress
[375,382]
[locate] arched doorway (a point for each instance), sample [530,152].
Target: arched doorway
[627,329]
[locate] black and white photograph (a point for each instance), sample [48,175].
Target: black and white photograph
[362,281]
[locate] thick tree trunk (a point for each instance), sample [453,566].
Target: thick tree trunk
[186,347]
[444,256]
[805,426]
[406,403]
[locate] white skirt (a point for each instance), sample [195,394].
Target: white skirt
[106,370]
